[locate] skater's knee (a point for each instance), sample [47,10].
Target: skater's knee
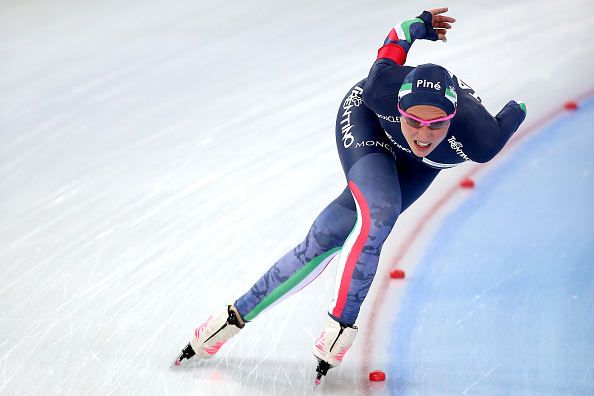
[329,230]
[382,202]
[384,215]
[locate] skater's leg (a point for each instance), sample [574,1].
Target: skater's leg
[369,163]
[290,274]
[380,193]
[374,184]
[304,263]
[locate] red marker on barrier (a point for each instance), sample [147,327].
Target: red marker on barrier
[467,183]
[571,105]
[396,274]
[377,375]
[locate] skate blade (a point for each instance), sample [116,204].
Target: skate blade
[316,383]
[185,354]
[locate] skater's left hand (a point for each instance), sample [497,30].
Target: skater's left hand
[441,22]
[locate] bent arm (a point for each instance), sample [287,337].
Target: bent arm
[403,35]
[490,134]
[387,73]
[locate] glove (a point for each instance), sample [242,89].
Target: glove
[427,18]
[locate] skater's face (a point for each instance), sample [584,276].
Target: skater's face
[423,140]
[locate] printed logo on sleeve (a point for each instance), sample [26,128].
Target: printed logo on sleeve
[389,118]
[457,147]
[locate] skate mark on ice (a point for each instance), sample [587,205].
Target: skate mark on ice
[496,285]
[581,380]
[484,376]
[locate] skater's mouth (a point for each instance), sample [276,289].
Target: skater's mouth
[423,146]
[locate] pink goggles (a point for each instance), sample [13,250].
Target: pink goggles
[415,122]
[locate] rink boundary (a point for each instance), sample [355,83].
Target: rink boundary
[434,210]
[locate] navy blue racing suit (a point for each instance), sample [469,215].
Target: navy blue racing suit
[383,177]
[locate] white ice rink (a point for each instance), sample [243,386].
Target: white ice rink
[156,157]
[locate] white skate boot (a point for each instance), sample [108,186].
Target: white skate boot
[207,339]
[334,342]
[331,347]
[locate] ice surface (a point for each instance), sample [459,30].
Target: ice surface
[156,157]
[501,302]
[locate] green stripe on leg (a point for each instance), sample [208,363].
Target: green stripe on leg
[289,284]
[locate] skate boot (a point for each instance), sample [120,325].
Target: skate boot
[207,339]
[332,345]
